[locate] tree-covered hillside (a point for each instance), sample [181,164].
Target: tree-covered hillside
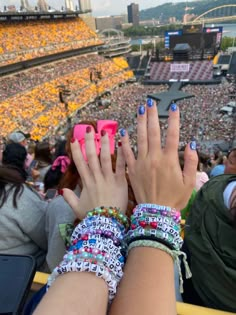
[177,10]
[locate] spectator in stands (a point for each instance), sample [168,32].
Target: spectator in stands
[219,168]
[18,137]
[230,163]
[42,161]
[22,211]
[54,174]
[201,177]
[210,235]
[59,166]
[21,138]
[185,211]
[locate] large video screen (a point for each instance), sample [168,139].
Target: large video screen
[195,41]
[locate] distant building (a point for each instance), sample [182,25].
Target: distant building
[188,17]
[42,5]
[69,5]
[172,20]
[103,22]
[11,8]
[89,20]
[25,5]
[85,5]
[125,26]
[106,22]
[133,14]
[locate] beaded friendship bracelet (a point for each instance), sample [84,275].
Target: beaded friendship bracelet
[97,243]
[96,247]
[156,221]
[158,227]
[157,209]
[110,212]
[174,243]
[82,266]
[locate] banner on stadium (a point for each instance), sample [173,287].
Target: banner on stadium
[179,67]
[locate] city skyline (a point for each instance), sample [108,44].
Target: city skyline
[100,7]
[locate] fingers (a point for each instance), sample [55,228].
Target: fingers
[127,151]
[120,161]
[91,153]
[71,198]
[105,155]
[153,129]
[172,139]
[79,161]
[142,142]
[190,165]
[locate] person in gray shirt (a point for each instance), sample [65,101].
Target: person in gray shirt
[22,211]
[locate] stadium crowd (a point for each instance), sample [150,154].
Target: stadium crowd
[199,115]
[39,164]
[21,41]
[38,91]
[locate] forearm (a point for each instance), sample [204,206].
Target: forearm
[75,294]
[148,277]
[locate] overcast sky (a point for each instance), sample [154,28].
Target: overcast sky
[100,7]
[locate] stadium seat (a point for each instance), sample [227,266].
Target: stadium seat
[40,280]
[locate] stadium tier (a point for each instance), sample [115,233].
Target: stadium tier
[21,41]
[30,99]
[191,71]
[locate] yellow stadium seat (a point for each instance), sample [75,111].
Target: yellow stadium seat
[189,309]
[40,280]
[182,224]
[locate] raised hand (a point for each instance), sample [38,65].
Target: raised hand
[101,186]
[155,175]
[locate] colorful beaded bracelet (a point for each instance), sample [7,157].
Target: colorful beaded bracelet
[100,271]
[174,241]
[89,221]
[110,212]
[153,222]
[150,209]
[101,226]
[96,247]
[157,216]
[112,265]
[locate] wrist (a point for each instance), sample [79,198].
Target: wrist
[96,247]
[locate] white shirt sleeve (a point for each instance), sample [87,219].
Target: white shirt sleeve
[228,192]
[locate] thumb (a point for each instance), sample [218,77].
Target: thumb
[73,201]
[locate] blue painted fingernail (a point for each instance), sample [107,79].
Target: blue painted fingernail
[193,145]
[122,132]
[173,107]
[150,102]
[141,110]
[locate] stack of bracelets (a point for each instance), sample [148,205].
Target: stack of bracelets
[99,242]
[96,246]
[157,227]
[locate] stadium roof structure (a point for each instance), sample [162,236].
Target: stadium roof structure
[36,15]
[167,98]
